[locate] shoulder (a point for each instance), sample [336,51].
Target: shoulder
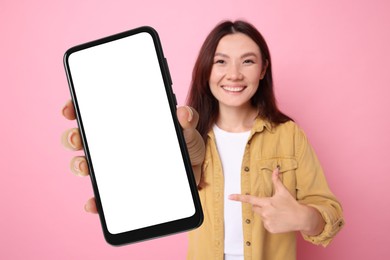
[289,127]
[289,133]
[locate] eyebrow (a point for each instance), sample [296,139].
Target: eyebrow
[242,56]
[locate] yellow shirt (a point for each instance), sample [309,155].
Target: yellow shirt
[285,145]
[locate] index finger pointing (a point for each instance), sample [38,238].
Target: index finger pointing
[253,200]
[243,198]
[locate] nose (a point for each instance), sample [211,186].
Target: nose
[234,72]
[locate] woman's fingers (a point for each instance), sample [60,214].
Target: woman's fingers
[68,110]
[79,166]
[71,139]
[90,206]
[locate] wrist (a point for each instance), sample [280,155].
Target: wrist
[312,223]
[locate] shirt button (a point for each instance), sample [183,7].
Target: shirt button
[248,221]
[248,243]
[246,169]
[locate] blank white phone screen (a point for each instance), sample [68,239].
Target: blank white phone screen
[132,140]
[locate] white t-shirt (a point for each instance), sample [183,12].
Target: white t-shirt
[231,147]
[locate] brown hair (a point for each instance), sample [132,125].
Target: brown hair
[200,96]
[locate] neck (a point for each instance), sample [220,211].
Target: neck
[232,119]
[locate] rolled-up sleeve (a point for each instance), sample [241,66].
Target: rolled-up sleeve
[313,190]
[333,223]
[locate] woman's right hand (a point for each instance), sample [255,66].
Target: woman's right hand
[188,119]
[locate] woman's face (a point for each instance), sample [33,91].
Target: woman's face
[236,71]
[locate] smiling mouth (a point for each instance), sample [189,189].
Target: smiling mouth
[235,89]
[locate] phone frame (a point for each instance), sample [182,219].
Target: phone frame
[158,230]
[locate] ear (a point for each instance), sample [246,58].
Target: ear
[264,70]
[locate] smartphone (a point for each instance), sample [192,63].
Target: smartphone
[126,112]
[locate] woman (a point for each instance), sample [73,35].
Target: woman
[252,148]
[254,154]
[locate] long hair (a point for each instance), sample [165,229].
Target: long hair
[200,96]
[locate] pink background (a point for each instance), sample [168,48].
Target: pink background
[331,68]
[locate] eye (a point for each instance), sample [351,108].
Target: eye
[219,61]
[249,61]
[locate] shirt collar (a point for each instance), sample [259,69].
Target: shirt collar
[260,124]
[258,127]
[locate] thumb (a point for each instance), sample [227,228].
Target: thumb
[278,185]
[188,119]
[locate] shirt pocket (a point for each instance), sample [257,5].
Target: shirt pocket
[287,167]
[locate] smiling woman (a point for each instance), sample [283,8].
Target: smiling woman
[235,76]
[253,56]
[256,155]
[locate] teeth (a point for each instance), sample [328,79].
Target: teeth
[233,89]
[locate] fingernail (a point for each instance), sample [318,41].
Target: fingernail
[78,165]
[70,137]
[191,114]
